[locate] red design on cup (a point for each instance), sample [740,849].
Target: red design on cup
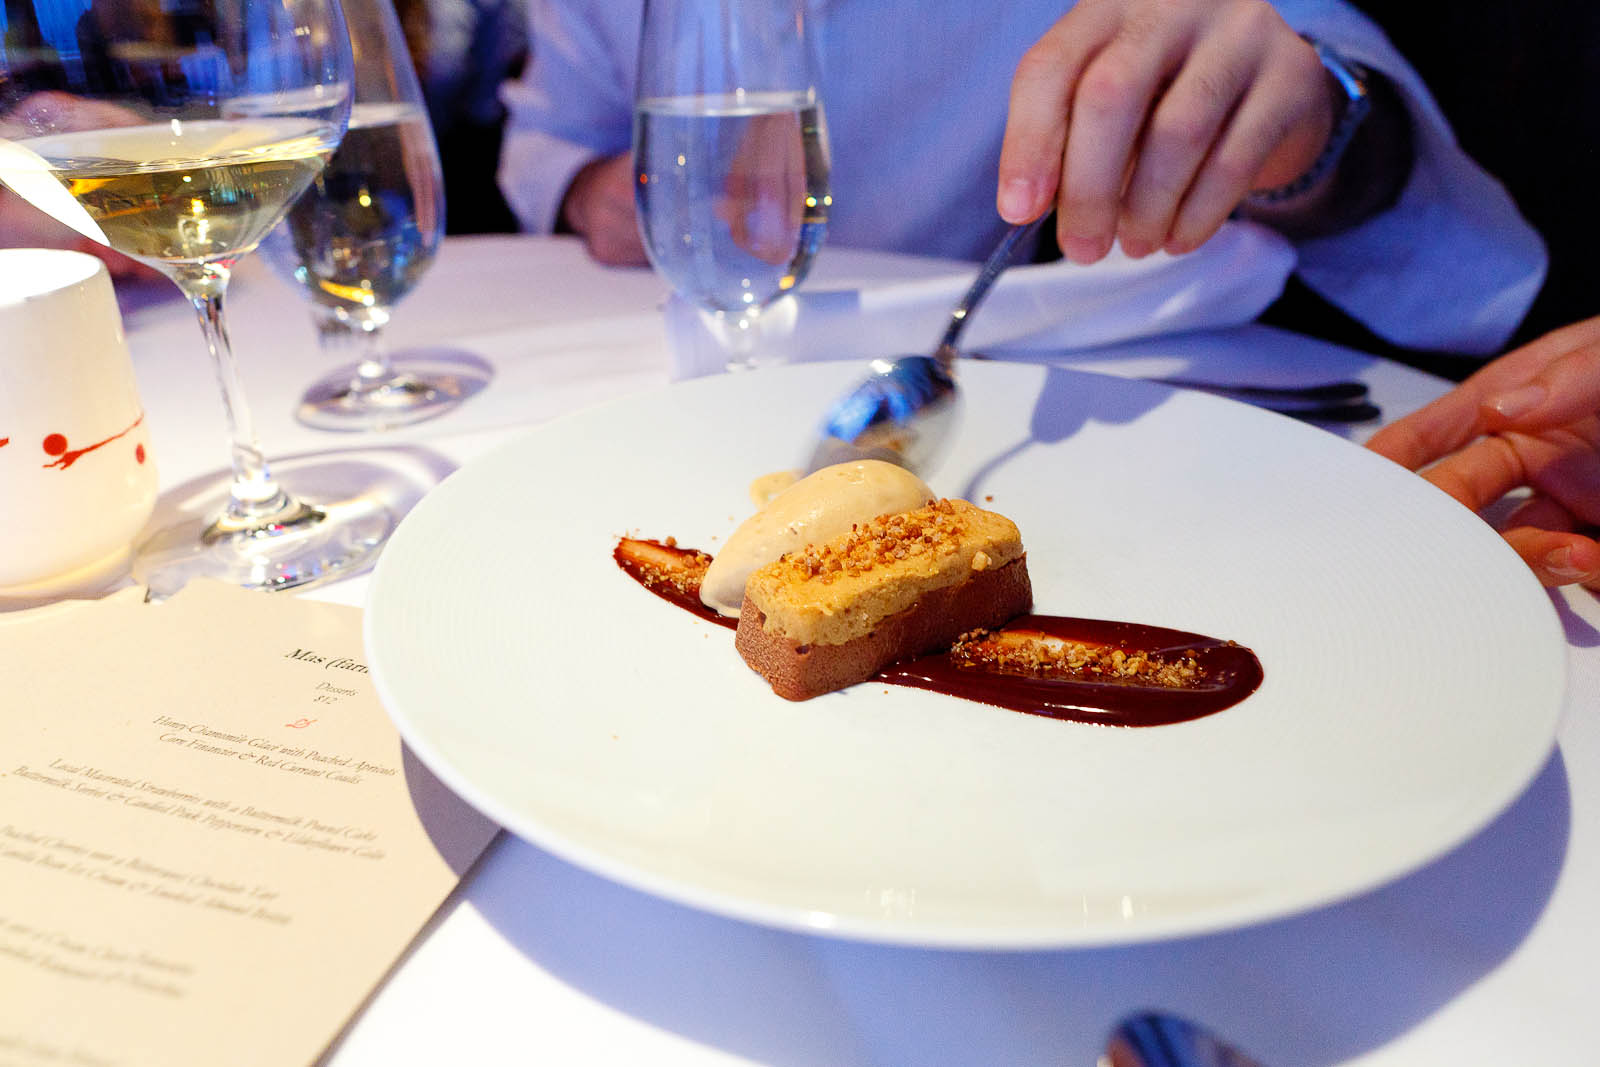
[4,441]
[56,445]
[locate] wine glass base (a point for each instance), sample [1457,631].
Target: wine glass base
[420,389]
[301,546]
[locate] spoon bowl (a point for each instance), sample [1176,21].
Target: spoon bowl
[1158,1039]
[901,412]
[906,409]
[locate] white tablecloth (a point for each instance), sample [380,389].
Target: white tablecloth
[1482,957]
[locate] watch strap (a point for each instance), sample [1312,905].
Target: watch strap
[1352,78]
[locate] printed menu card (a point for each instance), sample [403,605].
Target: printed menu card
[213,845]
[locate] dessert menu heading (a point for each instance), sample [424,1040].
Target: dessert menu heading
[213,845]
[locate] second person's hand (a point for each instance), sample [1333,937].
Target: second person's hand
[1529,421]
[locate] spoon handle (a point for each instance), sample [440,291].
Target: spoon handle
[997,262]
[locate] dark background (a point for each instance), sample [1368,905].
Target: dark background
[1520,84]
[1519,81]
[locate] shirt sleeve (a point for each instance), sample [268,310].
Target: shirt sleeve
[573,103]
[1452,266]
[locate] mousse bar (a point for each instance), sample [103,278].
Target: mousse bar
[827,616]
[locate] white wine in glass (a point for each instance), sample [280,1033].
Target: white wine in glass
[731,157]
[188,195]
[363,234]
[180,136]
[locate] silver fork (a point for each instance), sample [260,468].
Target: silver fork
[1344,401]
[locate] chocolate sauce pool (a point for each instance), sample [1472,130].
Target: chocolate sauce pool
[1229,672]
[688,600]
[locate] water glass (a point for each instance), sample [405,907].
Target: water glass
[731,157]
[361,237]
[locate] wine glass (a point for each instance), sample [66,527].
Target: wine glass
[179,134]
[730,155]
[363,234]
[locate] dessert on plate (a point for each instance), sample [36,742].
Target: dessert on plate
[859,571]
[817,508]
[891,589]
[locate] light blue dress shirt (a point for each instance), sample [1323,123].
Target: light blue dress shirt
[915,96]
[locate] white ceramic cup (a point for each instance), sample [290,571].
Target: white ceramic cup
[77,481]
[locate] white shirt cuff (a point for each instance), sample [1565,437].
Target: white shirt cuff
[535,171]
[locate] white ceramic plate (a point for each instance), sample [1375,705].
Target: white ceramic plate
[1414,671]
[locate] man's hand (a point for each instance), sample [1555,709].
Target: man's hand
[1529,420]
[763,202]
[599,208]
[1149,121]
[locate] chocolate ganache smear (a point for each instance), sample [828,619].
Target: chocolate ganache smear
[1085,670]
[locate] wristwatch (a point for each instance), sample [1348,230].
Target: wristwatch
[1352,79]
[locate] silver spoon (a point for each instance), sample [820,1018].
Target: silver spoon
[905,410]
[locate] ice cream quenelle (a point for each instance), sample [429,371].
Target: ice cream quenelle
[817,508]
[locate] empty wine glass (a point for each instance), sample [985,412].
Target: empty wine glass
[179,134]
[731,157]
[362,236]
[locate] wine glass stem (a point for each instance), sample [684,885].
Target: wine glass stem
[374,367]
[740,335]
[337,335]
[253,494]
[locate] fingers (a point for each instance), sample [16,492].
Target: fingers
[1563,469]
[1527,361]
[119,266]
[1107,115]
[617,246]
[1545,531]
[763,197]
[1542,530]
[1563,466]
[52,110]
[1564,391]
[1035,140]
[1479,474]
[1557,557]
[1150,121]
[612,234]
[1275,110]
[1529,419]
[764,227]
[1549,382]
[1432,431]
[1186,123]
[599,208]
[1541,512]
